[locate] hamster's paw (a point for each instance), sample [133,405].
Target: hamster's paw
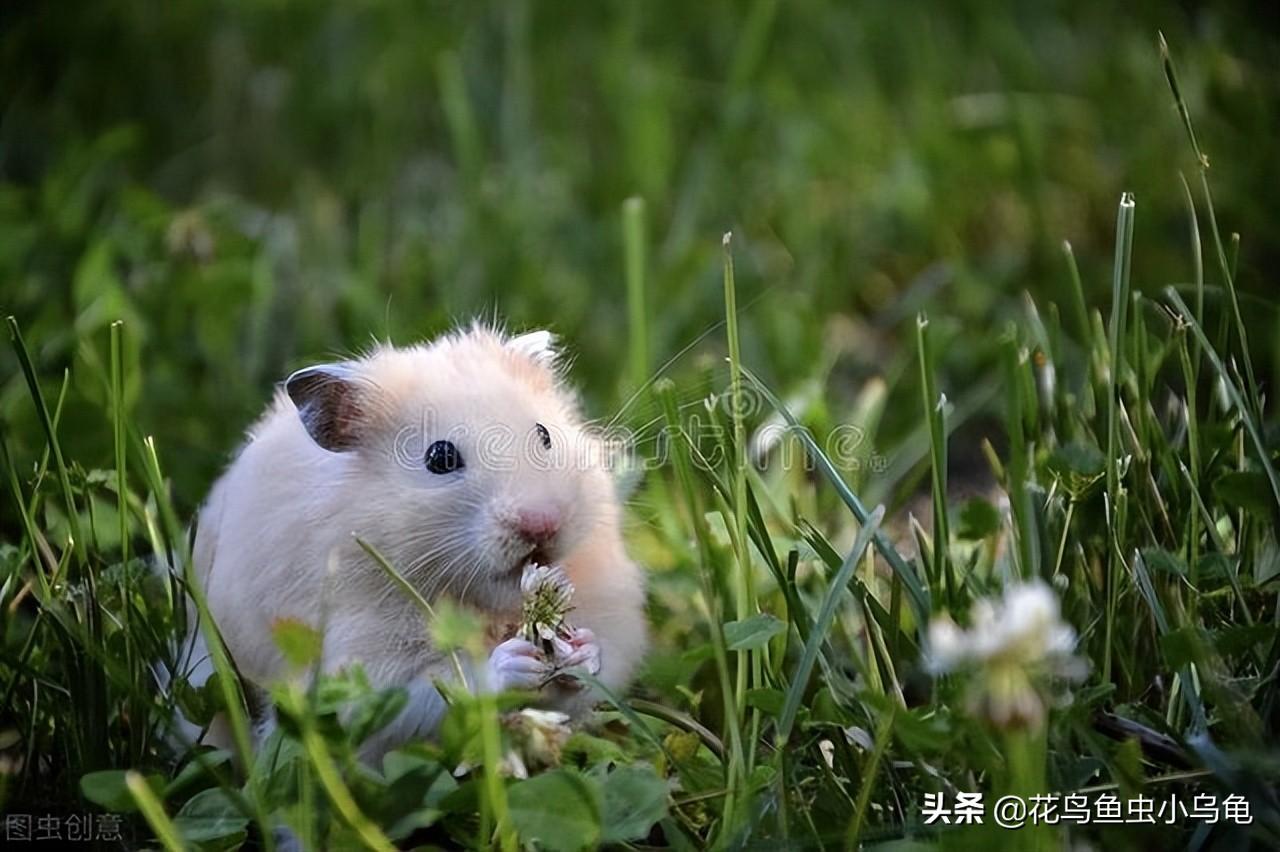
[579,648]
[517,664]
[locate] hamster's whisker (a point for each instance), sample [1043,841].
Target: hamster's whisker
[451,577]
[439,543]
[427,591]
[432,583]
[475,572]
[448,545]
[445,577]
[440,546]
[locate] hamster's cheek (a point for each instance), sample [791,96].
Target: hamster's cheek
[582,518]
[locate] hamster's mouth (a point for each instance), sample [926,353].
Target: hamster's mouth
[535,556]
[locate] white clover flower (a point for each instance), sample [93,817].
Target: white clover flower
[544,719]
[1013,642]
[547,594]
[948,648]
[536,576]
[537,737]
[511,765]
[1024,626]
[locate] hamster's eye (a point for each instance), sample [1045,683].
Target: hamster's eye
[543,435]
[443,457]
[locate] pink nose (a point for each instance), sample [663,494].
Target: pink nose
[537,526]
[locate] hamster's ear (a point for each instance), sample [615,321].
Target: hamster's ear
[537,346]
[327,397]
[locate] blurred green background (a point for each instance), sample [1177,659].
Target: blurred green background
[256,185]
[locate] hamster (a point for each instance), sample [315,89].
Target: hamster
[460,461]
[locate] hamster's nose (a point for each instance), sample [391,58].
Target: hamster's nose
[537,526]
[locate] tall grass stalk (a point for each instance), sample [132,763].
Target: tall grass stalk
[495,797]
[1078,309]
[748,662]
[1190,363]
[137,699]
[43,565]
[1022,518]
[935,412]
[118,433]
[1226,261]
[153,810]
[330,778]
[1116,501]
[883,735]
[46,422]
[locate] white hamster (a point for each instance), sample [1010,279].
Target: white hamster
[460,461]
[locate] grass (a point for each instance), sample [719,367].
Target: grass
[793,698]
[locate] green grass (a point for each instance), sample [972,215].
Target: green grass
[1078,401]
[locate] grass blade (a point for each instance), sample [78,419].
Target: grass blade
[1078,309]
[935,415]
[868,778]
[166,832]
[1237,397]
[1116,340]
[800,679]
[331,780]
[1226,263]
[749,662]
[42,411]
[118,436]
[904,569]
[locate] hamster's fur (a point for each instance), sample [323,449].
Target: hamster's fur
[342,452]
